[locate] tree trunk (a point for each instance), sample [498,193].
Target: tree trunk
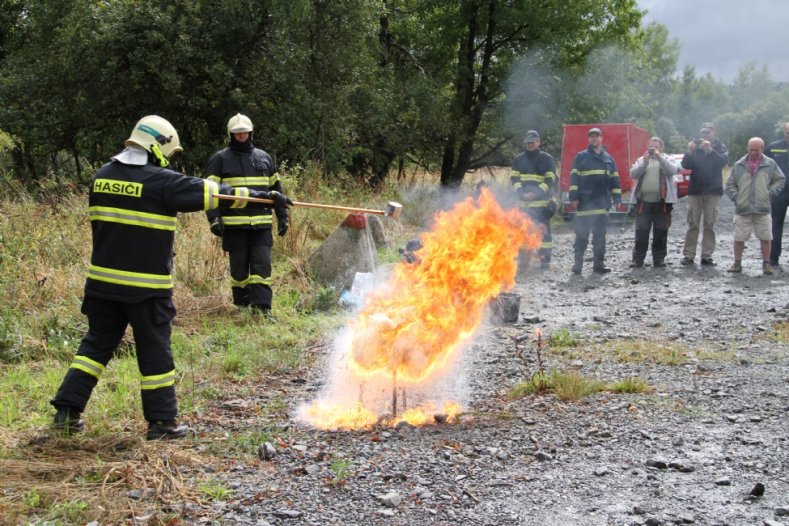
[471,99]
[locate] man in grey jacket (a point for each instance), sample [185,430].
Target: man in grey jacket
[653,197]
[752,183]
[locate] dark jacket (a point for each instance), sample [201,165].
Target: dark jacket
[253,169]
[707,176]
[133,213]
[779,152]
[534,172]
[594,182]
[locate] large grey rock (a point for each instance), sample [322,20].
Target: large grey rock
[378,232]
[345,252]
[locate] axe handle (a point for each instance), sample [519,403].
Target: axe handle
[300,203]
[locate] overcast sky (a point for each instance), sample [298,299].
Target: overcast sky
[719,37]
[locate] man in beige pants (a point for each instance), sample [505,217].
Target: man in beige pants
[704,194]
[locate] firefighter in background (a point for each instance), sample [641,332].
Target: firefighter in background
[779,152]
[133,205]
[246,231]
[534,179]
[594,183]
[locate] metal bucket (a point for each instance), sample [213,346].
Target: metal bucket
[505,308]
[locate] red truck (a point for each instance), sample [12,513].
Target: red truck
[624,141]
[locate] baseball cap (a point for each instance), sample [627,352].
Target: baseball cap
[531,136]
[708,125]
[705,130]
[598,131]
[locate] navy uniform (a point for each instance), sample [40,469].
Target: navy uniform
[594,183]
[246,231]
[133,205]
[779,152]
[534,172]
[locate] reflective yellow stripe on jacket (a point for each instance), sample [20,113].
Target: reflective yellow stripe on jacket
[131,217]
[131,279]
[246,220]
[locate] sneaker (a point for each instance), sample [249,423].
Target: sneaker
[68,421]
[735,267]
[636,264]
[601,269]
[767,268]
[166,429]
[659,263]
[708,262]
[686,261]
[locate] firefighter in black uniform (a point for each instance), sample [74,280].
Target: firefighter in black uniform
[779,152]
[594,183]
[246,232]
[534,179]
[133,203]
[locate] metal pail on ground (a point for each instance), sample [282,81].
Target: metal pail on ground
[505,308]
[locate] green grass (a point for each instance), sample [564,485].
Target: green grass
[573,386]
[563,338]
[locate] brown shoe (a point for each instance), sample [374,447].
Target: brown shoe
[767,268]
[735,267]
[636,264]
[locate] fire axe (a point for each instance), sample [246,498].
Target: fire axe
[392,209]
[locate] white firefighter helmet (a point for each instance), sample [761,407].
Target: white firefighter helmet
[157,136]
[239,123]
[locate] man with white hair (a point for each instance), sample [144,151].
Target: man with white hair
[754,180]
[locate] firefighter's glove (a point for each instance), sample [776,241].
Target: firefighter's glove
[280,200]
[217,227]
[282,226]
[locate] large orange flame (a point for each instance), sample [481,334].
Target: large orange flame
[408,331]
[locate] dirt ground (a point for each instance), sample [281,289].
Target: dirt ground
[708,445]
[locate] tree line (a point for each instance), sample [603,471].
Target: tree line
[367,87]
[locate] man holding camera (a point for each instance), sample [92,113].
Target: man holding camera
[654,196]
[706,157]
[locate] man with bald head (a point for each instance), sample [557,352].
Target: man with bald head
[753,182]
[779,152]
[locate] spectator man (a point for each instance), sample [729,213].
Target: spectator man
[779,152]
[753,182]
[594,183]
[706,157]
[654,196]
[711,136]
[533,178]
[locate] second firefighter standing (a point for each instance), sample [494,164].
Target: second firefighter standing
[594,184]
[533,178]
[247,231]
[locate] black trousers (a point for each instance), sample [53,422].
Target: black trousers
[655,217]
[250,265]
[546,247]
[151,321]
[778,213]
[596,224]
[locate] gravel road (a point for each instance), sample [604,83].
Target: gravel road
[708,445]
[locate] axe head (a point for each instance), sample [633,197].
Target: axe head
[393,209]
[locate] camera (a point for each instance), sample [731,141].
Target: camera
[697,142]
[651,152]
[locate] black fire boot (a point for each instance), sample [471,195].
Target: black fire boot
[67,421]
[166,429]
[578,265]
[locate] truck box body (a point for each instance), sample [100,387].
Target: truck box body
[624,142]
